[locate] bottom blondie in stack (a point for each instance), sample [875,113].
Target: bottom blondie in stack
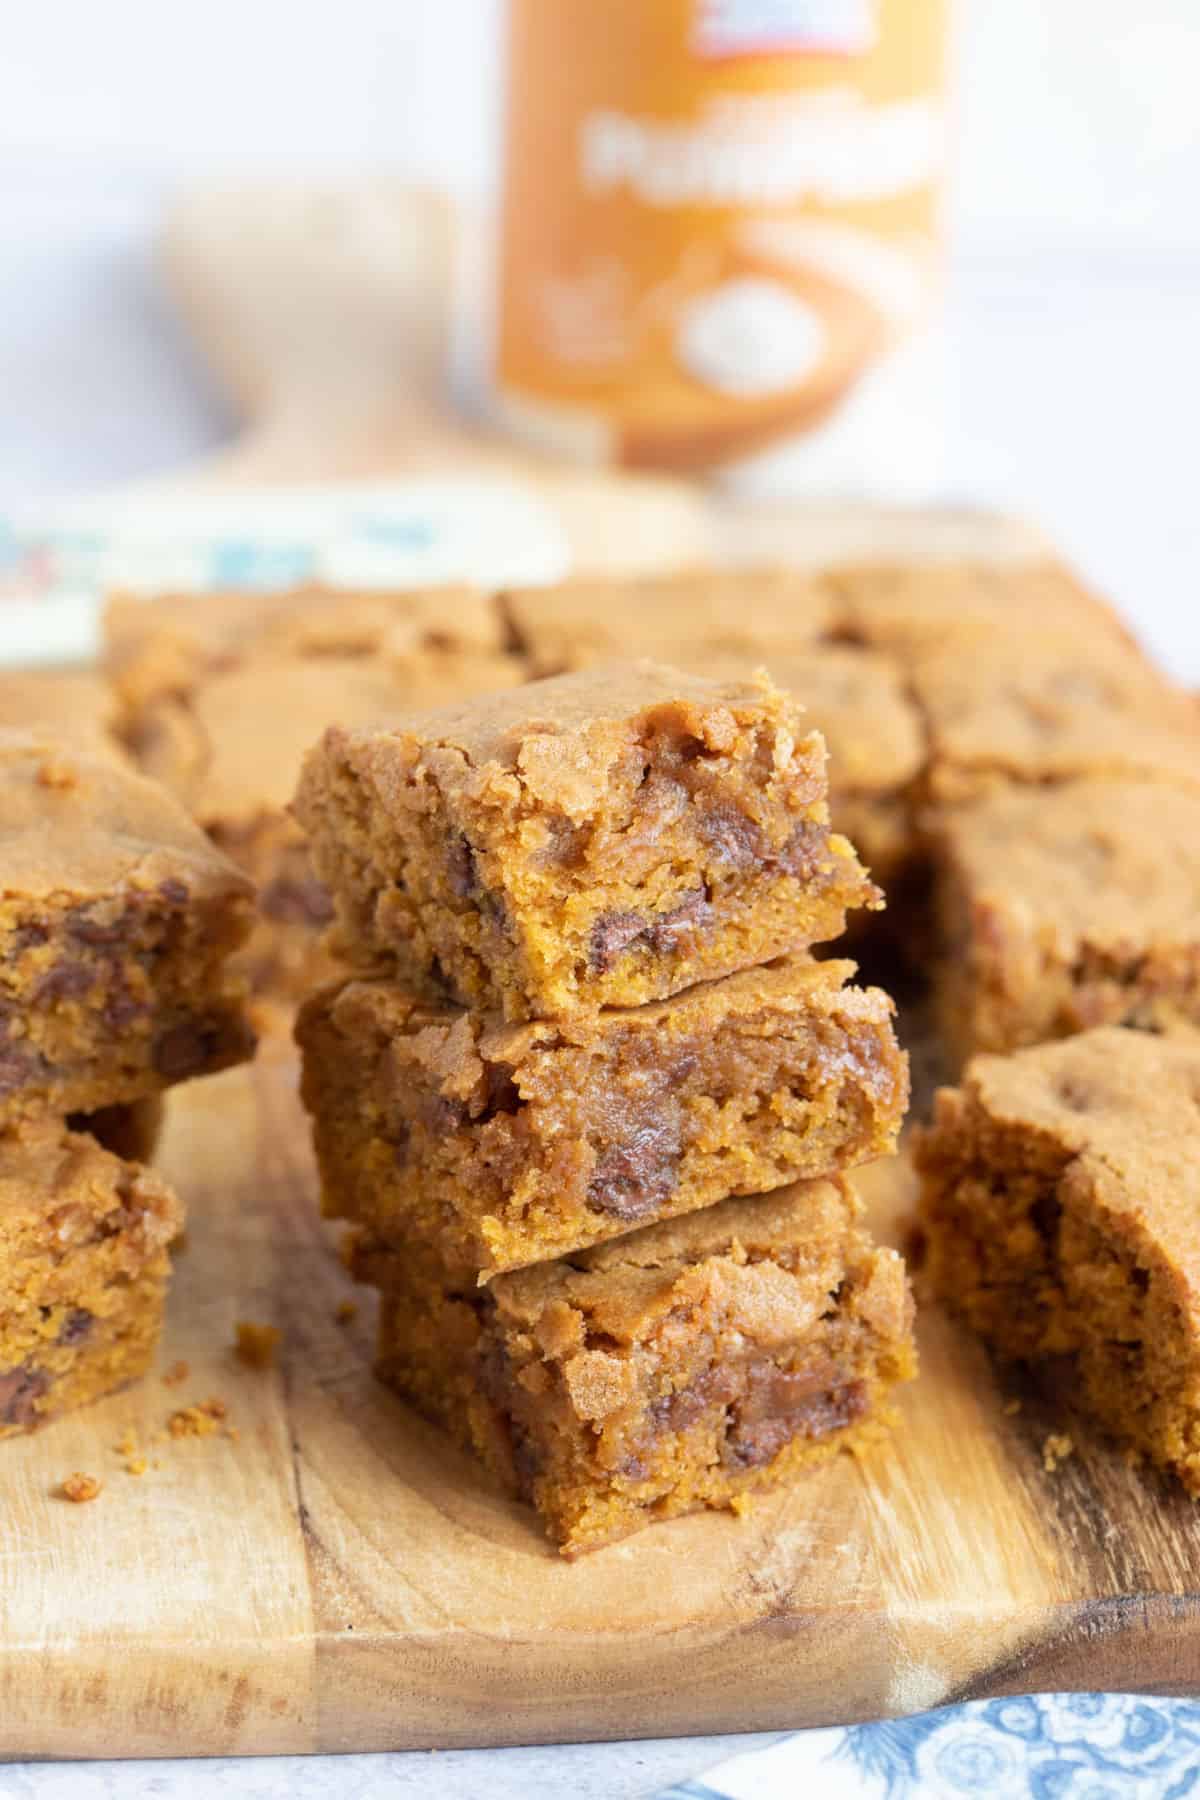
[116,919]
[589,1022]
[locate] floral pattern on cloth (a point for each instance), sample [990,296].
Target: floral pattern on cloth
[1033,1747]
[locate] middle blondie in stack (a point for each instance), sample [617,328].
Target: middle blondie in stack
[585,1021]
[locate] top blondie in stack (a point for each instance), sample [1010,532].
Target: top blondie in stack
[588,1014]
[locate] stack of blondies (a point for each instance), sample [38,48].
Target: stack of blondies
[588,1097]
[116,919]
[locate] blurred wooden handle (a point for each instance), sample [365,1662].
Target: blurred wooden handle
[324,313]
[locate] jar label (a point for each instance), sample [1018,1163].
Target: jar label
[719,219]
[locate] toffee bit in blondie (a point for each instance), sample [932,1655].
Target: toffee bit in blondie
[345,1312]
[79,1488]
[257,1345]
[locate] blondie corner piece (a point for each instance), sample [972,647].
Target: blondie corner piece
[604,838]
[116,919]
[677,1368]
[1060,1207]
[503,1145]
[83,1271]
[1067,906]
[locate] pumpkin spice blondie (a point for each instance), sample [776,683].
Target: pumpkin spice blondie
[117,918]
[1060,1205]
[603,838]
[679,1367]
[83,1270]
[503,1145]
[1066,906]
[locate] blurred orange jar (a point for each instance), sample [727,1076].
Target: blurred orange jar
[718,235]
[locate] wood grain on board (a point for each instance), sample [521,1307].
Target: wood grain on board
[339,1577]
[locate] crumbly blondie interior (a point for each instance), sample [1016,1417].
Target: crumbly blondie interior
[83,1255]
[677,1368]
[107,1000]
[504,1145]
[600,839]
[1060,1193]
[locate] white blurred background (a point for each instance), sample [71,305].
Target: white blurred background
[1075,292]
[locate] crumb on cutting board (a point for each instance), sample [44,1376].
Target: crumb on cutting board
[80,1487]
[257,1345]
[1056,1449]
[178,1372]
[199,1420]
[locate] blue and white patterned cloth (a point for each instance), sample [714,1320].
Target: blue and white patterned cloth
[1037,1747]
[56,563]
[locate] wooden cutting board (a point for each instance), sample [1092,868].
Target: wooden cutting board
[340,1578]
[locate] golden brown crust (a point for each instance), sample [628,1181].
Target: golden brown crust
[171,643]
[1066,906]
[906,609]
[1052,706]
[78,825]
[67,706]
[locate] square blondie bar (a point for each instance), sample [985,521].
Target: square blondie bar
[117,918]
[1067,905]
[907,609]
[83,1270]
[1060,1208]
[752,613]
[604,838]
[171,644]
[502,1145]
[676,1368]
[1048,707]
